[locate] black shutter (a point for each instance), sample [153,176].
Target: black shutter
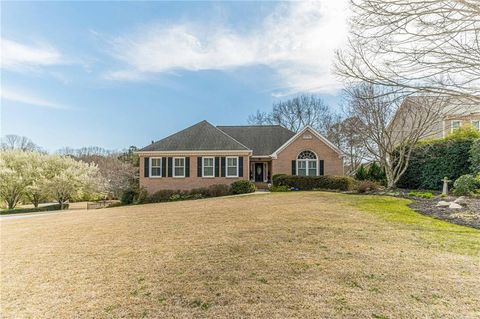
[294,167]
[321,171]
[199,167]
[164,166]
[217,166]
[187,166]
[146,167]
[222,167]
[170,166]
[240,166]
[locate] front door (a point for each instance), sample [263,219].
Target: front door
[258,172]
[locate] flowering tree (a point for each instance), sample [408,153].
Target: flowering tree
[69,179]
[15,175]
[40,176]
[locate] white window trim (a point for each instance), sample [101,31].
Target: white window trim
[173,168]
[226,166]
[150,167]
[451,125]
[203,167]
[472,121]
[307,166]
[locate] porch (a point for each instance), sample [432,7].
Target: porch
[260,172]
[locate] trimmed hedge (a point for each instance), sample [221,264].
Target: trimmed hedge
[342,183]
[432,161]
[243,187]
[169,195]
[33,209]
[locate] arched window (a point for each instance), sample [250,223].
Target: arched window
[307,164]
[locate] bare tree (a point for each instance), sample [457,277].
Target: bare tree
[297,113]
[346,136]
[390,125]
[415,46]
[16,142]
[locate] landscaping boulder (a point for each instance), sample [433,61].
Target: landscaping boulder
[455,206]
[443,204]
[461,200]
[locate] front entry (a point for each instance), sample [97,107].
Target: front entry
[258,172]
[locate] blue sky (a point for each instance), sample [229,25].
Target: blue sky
[114,74]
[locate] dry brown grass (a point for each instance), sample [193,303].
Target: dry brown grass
[278,255]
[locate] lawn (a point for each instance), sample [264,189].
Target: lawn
[302,254]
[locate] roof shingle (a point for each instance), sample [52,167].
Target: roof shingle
[202,136]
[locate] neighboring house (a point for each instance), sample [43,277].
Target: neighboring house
[204,155]
[451,115]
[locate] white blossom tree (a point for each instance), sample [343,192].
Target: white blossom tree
[15,175]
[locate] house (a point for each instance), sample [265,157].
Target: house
[448,115]
[204,154]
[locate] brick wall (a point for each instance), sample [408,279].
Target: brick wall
[153,184]
[333,165]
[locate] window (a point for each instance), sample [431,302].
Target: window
[155,167]
[476,125]
[208,166]
[179,167]
[232,167]
[307,164]
[455,125]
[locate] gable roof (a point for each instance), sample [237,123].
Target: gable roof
[318,135]
[261,139]
[199,137]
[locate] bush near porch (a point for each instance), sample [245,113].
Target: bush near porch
[341,183]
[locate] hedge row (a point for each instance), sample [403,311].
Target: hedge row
[33,209]
[431,161]
[342,183]
[168,195]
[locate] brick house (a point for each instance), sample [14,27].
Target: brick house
[203,155]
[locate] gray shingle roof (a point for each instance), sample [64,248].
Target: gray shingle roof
[199,137]
[261,139]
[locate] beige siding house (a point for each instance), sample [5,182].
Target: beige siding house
[204,155]
[448,115]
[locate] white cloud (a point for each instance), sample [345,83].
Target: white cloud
[26,98]
[297,40]
[17,55]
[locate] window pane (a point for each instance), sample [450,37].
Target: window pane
[232,161]
[208,171]
[156,171]
[312,172]
[476,124]
[302,172]
[208,162]
[179,161]
[312,164]
[155,162]
[302,164]
[179,171]
[455,125]
[232,171]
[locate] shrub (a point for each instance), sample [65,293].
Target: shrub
[274,177]
[141,196]
[474,157]
[431,161]
[342,183]
[375,173]
[464,132]
[366,186]
[243,187]
[361,173]
[163,195]
[33,209]
[279,189]
[128,196]
[465,185]
[421,194]
[218,190]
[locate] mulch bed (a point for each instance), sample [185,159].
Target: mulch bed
[469,215]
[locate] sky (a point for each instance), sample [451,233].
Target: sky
[115,74]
